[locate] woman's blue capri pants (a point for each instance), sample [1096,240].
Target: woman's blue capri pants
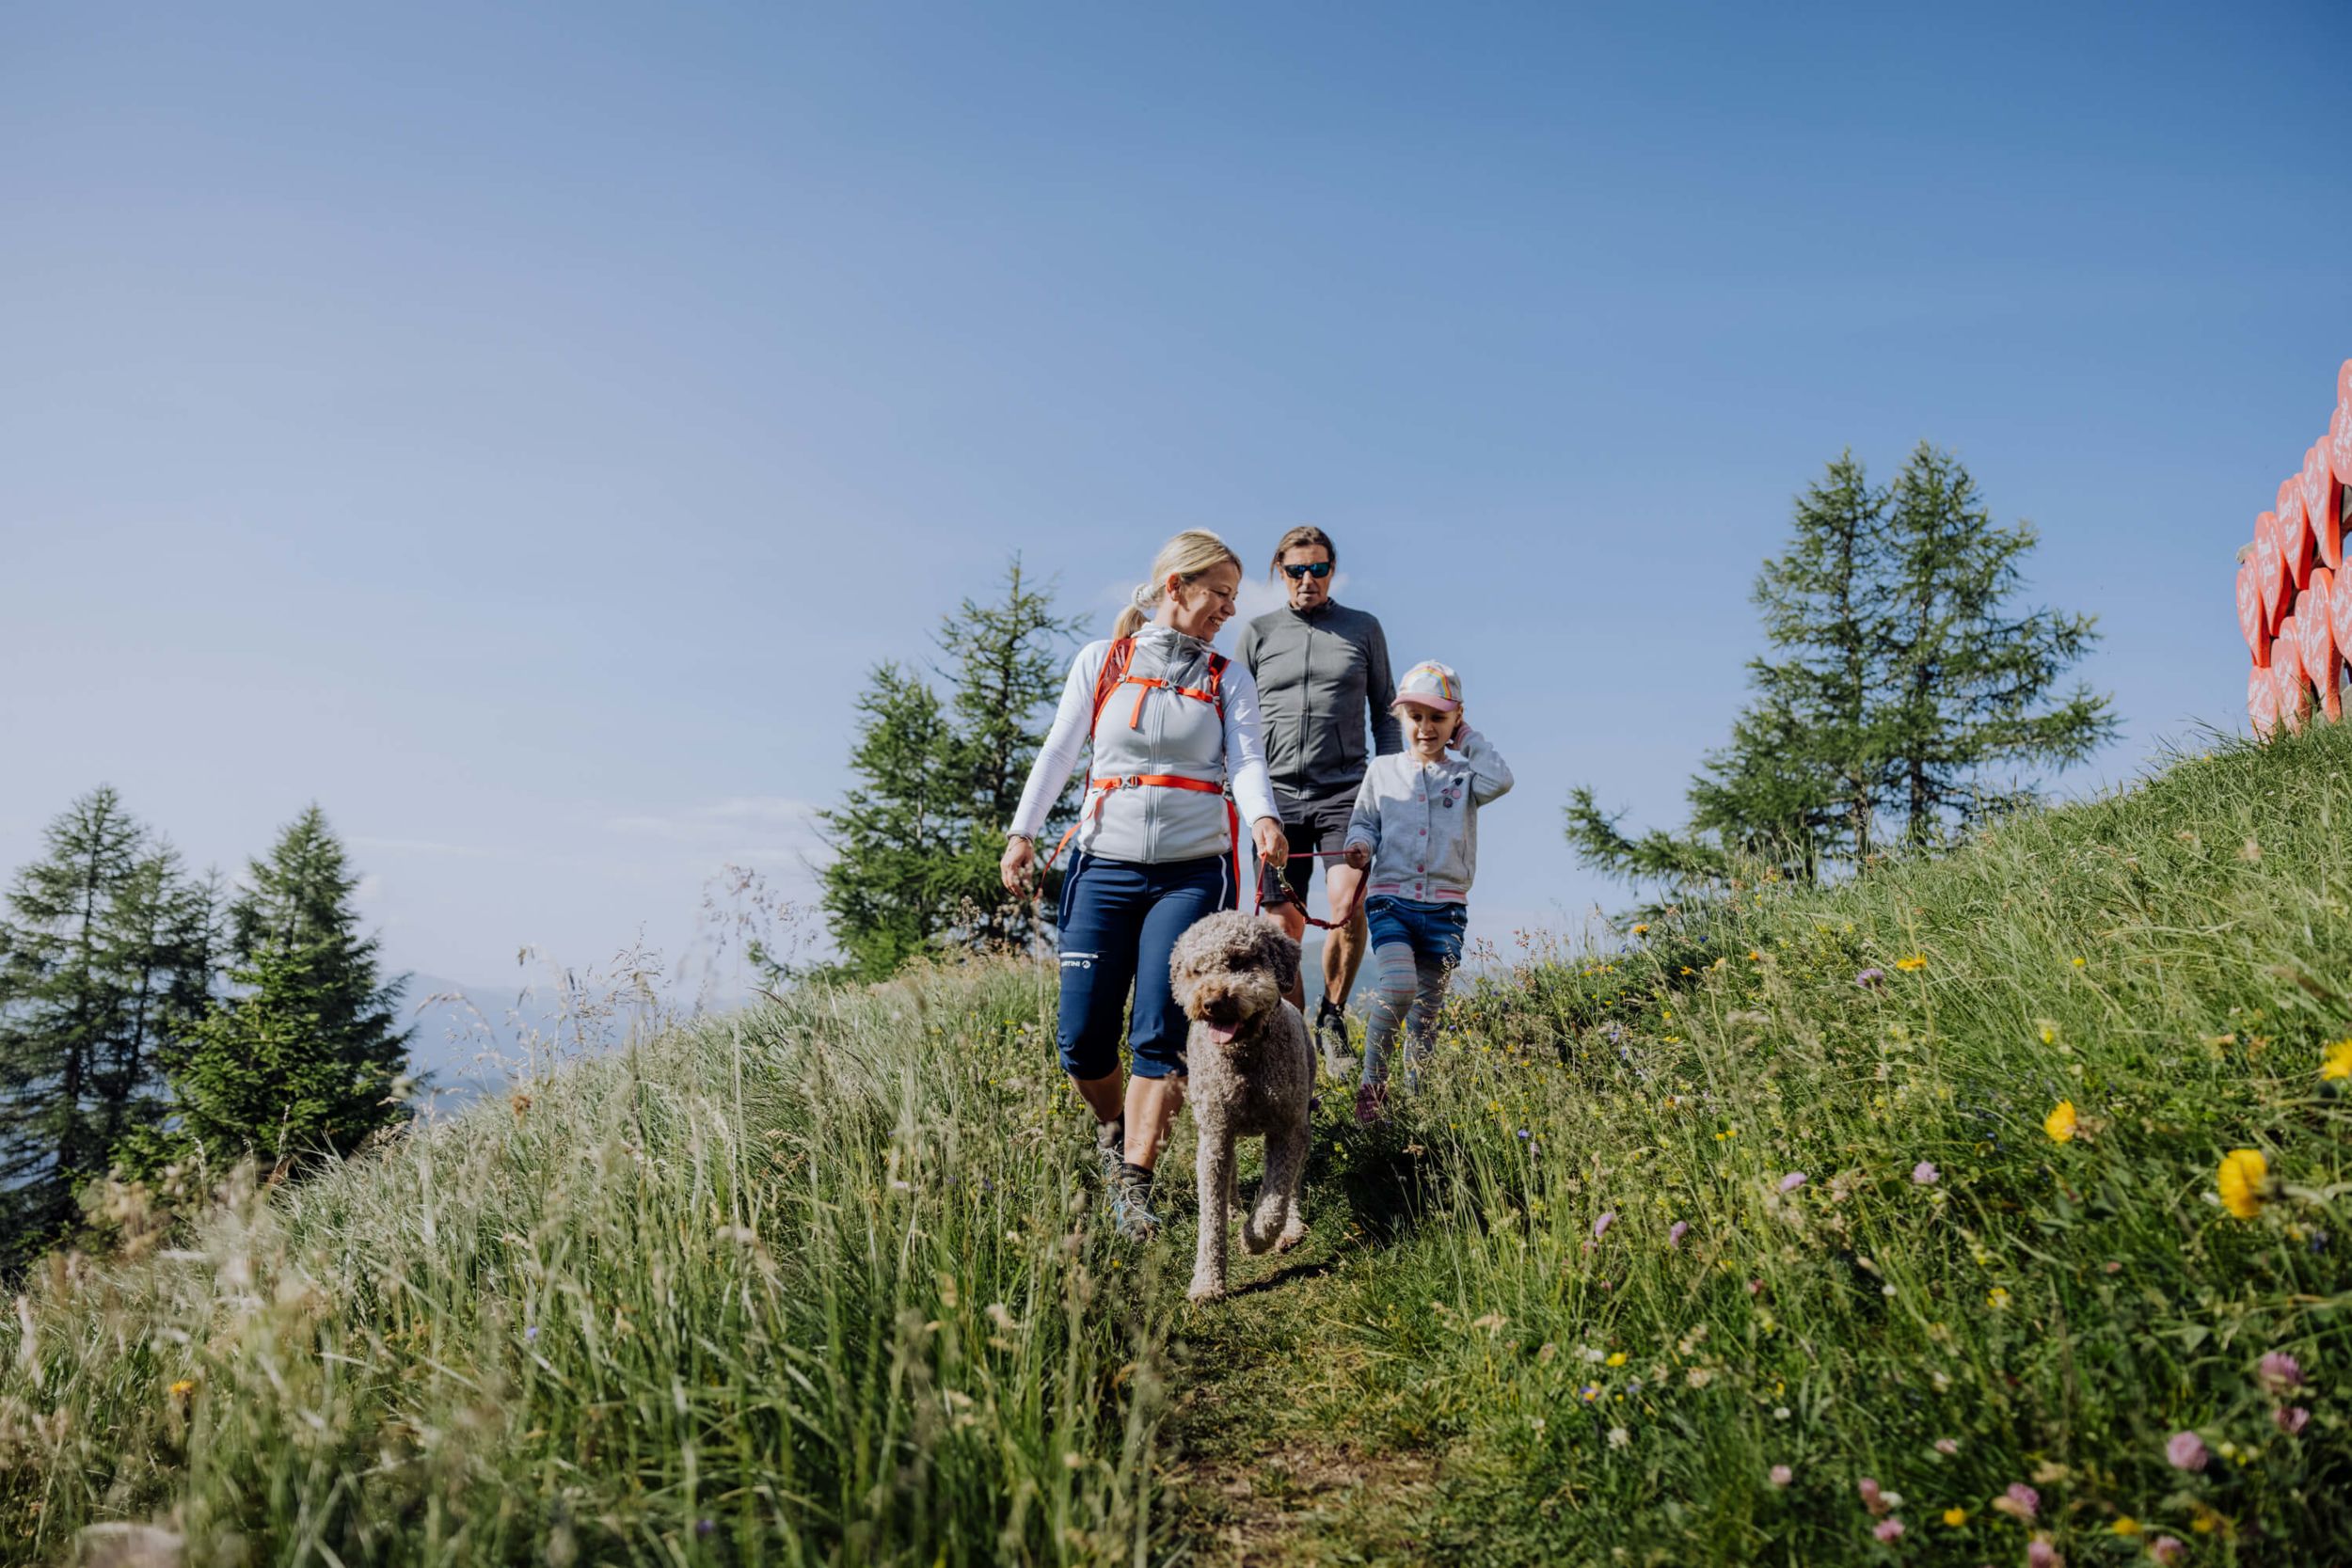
[1119,920]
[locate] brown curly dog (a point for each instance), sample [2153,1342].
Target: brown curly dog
[1252,1072]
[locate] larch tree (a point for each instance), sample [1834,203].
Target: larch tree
[917,838]
[1900,687]
[1005,669]
[1799,784]
[1969,714]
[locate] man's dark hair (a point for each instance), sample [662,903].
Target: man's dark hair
[1305,534]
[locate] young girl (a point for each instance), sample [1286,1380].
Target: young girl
[1416,828]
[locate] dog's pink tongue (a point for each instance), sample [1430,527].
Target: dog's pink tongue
[1221,1033]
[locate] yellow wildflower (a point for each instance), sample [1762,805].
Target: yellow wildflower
[182,1389]
[2079,963]
[1955,1516]
[2125,1525]
[1617,1358]
[1641,931]
[2338,1063]
[1754,957]
[1916,961]
[1996,1298]
[2060,1123]
[2244,1181]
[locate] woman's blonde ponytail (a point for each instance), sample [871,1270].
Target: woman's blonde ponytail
[1188,555]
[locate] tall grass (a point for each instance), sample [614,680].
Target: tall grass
[816,1284]
[1894,1272]
[824,1282]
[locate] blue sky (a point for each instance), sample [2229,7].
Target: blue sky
[521,432]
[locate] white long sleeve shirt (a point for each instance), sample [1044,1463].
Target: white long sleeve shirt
[1167,734]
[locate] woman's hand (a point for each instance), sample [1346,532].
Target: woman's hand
[1020,860]
[1274,848]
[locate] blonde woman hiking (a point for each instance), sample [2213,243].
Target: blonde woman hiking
[1177,767]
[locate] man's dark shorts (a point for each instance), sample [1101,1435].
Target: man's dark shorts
[1309,826]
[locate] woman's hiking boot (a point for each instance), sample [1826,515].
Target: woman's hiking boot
[1130,1204]
[1331,1038]
[1110,1146]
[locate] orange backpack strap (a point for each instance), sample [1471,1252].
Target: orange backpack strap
[1116,662]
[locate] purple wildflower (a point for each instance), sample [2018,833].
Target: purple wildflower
[1888,1529]
[2167,1550]
[1676,1231]
[2019,1502]
[2185,1450]
[1601,1225]
[1870,978]
[2279,1373]
[1925,1174]
[2290,1420]
[1791,1181]
[1782,1475]
[2041,1554]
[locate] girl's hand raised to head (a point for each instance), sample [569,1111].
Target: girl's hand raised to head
[1020,860]
[1274,847]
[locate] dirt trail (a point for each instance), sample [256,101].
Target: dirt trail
[1278,1453]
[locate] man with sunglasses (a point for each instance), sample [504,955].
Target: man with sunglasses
[1323,679]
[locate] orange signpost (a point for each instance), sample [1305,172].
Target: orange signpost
[2295,619]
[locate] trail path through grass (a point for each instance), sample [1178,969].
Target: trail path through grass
[1278,1450]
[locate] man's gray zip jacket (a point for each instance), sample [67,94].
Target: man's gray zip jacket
[1316,673]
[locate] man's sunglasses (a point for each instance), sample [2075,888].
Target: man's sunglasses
[1317,569]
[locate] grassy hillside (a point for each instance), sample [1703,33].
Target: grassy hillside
[826,1284]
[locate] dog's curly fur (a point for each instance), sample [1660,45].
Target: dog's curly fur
[1229,973]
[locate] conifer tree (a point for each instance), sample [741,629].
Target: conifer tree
[918,840]
[1896,680]
[302,1057]
[1005,671]
[1801,780]
[1968,712]
[898,836]
[93,967]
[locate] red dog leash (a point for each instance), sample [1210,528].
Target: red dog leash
[1258,893]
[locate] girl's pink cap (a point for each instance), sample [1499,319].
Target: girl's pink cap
[1431,684]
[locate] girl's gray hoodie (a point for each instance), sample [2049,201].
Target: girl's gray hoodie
[1420,819]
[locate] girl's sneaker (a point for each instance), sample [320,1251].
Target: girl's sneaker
[1372,1104]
